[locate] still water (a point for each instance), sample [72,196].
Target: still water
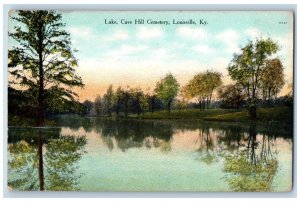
[93,154]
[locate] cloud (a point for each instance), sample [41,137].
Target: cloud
[118,35]
[230,39]
[204,49]
[130,49]
[253,33]
[159,54]
[148,33]
[285,52]
[188,32]
[125,50]
[81,31]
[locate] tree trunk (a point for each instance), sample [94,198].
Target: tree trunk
[126,107]
[41,115]
[207,103]
[152,105]
[252,112]
[210,100]
[269,96]
[41,163]
[252,138]
[169,107]
[41,123]
[199,102]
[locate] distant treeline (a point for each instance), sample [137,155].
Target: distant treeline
[167,95]
[197,93]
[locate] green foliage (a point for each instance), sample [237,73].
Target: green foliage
[181,114]
[124,101]
[136,100]
[167,89]
[201,86]
[42,35]
[231,96]
[61,158]
[99,107]
[247,66]
[23,103]
[42,61]
[165,146]
[23,161]
[269,115]
[246,176]
[88,106]
[266,115]
[208,158]
[272,78]
[246,69]
[108,100]
[60,161]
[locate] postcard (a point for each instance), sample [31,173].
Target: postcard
[150,101]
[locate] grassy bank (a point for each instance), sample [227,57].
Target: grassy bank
[269,115]
[180,114]
[276,114]
[26,122]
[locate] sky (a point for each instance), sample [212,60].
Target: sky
[138,55]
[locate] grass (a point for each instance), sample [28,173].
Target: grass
[180,114]
[275,114]
[14,120]
[265,115]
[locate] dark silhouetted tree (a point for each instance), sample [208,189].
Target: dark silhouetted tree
[42,60]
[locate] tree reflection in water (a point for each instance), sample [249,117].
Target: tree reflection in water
[206,146]
[23,163]
[254,167]
[60,158]
[135,134]
[247,151]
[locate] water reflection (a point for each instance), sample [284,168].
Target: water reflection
[129,134]
[23,166]
[58,161]
[244,156]
[252,168]
[207,147]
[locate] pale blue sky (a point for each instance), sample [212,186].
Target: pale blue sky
[139,55]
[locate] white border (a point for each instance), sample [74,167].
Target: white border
[115,5]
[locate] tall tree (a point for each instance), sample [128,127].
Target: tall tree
[108,99]
[118,100]
[125,100]
[211,83]
[202,86]
[167,89]
[247,66]
[98,105]
[272,79]
[42,60]
[136,99]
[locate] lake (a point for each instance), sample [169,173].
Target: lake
[94,154]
